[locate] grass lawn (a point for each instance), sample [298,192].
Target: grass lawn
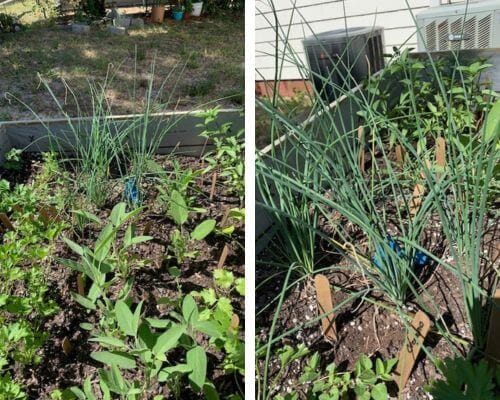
[201,61]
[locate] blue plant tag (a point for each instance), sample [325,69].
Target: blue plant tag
[131,192]
[420,260]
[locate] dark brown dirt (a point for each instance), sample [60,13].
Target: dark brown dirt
[363,327]
[152,281]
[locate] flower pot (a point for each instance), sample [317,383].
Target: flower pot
[177,15]
[157,14]
[197,7]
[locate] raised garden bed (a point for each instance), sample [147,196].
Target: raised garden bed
[367,194]
[139,296]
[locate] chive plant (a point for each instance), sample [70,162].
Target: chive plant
[313,170]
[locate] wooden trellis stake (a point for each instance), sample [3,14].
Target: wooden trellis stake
[48,214]
[235,321]
[492,344]
[419,328]
[80,284]
[440,154]
[67,346]
[212,189]
[223,256]
[361,155]
[147,228]
[4,219]
[224,218]
[325,305]
[400,154]
[418,194]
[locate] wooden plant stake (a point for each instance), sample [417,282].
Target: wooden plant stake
[440,154]
[325,305]
[361,155]
[147,228]
[400,154]
[67,346]
[4,219]
[224,218]
[235,321]
[223,256]
[492,344]
[417,198]
[413,343]
[212,189]
[48,214]
[80,284]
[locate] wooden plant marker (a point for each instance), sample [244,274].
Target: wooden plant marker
[147,228]
[4,219]
[212,189]
[417,198]
[400,154]
[492,344]
[325,305]
[361,155]
[80,284]
[224,218]
[419,328]
[440,154]
[67,346]
[223,256]
[48,214]
[235,321]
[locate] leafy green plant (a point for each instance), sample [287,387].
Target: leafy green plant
[180,240]
[107,256]
[13,160]
[366,382]
[6,23]
[229,151]
[464,379]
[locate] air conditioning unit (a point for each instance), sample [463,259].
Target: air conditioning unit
[465,25]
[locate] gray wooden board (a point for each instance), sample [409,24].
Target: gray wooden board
[4,143]
[183,137]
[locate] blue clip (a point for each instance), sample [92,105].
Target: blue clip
[131,192]
[420,260]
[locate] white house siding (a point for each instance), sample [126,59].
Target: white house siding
[303,18]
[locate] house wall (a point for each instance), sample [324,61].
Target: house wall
[309,16]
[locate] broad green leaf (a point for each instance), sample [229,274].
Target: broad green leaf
[189,309]
[83,301]
[111,341]
[125,318]
[492,125]
[159,323]
[168,340]
[379,392]
[166,373]
[88,216]
[196,358]
[210,328]
[203,230]
[177,208]
[120,359]
[210,391]
[74,246]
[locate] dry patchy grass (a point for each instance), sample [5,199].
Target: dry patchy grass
[203,60]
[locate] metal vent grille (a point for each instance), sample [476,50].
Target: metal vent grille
[443,35]
[430,36]
[456,27]
[469,32]
[446,34]
[484,32]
